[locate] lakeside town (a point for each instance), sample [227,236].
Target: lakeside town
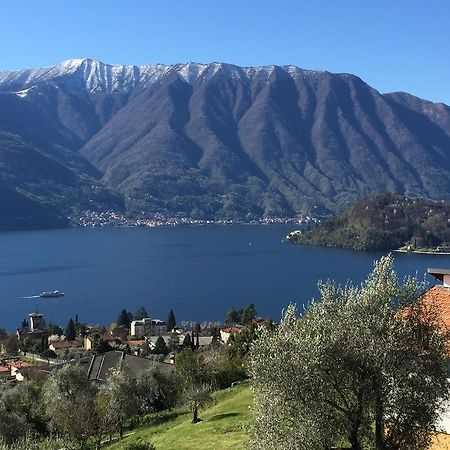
[147,369]
[96,219]
[36,345]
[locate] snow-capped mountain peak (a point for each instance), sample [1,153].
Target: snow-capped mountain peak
[98,77]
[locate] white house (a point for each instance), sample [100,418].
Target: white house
[148,327]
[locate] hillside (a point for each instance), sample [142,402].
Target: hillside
[214,140]
[225,425]
[384,222]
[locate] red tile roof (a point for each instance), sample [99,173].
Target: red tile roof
[439,297]
[58,345]
[231,330]
[136,343]
[21,364]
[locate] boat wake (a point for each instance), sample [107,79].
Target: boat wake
[30,296]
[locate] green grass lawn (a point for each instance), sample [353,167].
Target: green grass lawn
[225,425]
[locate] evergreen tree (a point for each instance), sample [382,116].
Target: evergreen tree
[125,318]
[215,334]
[11,344]
[160,347]
[171,322]
[101,346]
[248,314]
[187,341]
[71,332]
[233,316]
[53,329]
[141,313]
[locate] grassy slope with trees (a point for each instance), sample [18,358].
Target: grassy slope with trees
[384,222]
[225,425]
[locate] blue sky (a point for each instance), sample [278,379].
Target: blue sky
[391,44]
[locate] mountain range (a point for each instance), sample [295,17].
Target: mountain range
[209,141]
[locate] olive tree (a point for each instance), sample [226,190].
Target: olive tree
[122,399]
[193,377]
[69,401]
[20,411]
[365,365]
[156,390]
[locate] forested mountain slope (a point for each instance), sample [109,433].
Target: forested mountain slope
[214,140]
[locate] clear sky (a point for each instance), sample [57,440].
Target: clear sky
[391,44]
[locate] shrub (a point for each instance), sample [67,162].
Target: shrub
[140,446]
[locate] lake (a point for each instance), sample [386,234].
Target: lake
[199,272]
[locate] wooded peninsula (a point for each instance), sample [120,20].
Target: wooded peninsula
[384,222]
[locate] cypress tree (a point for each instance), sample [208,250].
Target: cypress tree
[141,313]
[187,341]
[71,332]
[125,318]
[171,322]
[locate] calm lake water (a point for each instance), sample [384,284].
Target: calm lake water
[198,272]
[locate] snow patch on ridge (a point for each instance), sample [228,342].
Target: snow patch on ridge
[106,78]
[23,93]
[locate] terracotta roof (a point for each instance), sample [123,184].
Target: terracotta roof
[58,345]
[21,364]
[232,330]
[439,297]
[4,369]
[136,343]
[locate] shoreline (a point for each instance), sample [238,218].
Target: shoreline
[421,252]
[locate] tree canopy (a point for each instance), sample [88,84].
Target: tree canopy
[124,319]
[141,313]
[71,332]
[383,222]
[244,316]
[160,347]
[69,401]
[171,322]
[193,378]
[353,369]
